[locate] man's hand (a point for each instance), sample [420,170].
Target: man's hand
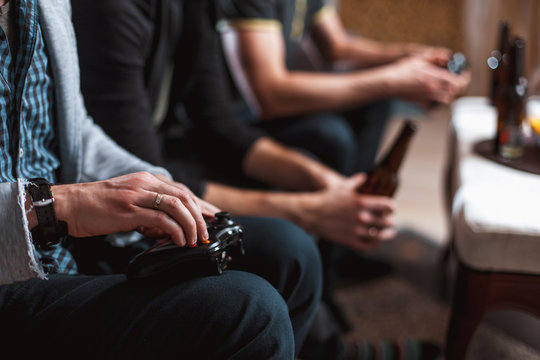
[208,210]
[340,214]
[126,203]
[436,55]
[419,79]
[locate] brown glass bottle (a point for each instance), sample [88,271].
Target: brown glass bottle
[510,138]
[383,178]
[496,60]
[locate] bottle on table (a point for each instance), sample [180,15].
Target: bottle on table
[383,178]
[510,139]
[498,63]
[496,59]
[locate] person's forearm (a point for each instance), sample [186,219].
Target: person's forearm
[339,214]
[337,45]
[280,166]
[298,92]
[280,92]
[367,53]
[412,78]
[241,202]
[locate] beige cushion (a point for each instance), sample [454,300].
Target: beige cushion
[495,209]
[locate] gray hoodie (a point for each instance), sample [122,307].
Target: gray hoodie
[86,153]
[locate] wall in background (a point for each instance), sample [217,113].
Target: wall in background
[434,22]
[469,26]
[481,19]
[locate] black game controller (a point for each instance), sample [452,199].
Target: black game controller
[168,259]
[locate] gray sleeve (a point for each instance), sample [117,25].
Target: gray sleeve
[103,158]
[87,154]
[18,260]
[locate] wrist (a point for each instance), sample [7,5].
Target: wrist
[63,195]
[301,210]
[388,78]
[47,230]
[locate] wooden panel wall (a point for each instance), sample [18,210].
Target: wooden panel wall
[465,25]
[481,21]
[435,22]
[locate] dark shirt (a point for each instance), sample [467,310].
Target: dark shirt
[294,17]
[125,47]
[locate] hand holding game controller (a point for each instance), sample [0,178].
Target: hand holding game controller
[211,258]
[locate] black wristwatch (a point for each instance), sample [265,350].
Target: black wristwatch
[49,230]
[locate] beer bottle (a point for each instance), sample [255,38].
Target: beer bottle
[495,61]
[510,139]
[498,62]
[383,178]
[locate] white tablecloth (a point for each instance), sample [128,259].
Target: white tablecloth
[495,209]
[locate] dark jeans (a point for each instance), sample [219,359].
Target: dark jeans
[347,142]
[259,309]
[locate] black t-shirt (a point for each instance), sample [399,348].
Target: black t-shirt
[293,16]
[125,47]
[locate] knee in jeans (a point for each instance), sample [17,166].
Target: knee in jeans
[259,312]
[233,315]
[293,245]
[296,256]
[335,136]
[333,142]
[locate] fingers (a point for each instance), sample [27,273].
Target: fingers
[154,233]
[445,86]
[376,222]
[181,207]
[376,219]
[157,223]
[184,211]
[357,180]
[369,238]
[376,204]
[375,234]
[437,56]
[208,210]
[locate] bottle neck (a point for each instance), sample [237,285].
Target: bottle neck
[395,155]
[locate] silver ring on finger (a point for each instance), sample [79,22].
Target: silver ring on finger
[373,231]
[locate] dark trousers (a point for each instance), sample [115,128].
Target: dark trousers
[261,308]
[348,142]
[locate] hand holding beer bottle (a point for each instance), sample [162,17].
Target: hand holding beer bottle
[383,178]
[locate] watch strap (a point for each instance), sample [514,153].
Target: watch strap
[49,230]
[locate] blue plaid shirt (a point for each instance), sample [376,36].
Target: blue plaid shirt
[27,134]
